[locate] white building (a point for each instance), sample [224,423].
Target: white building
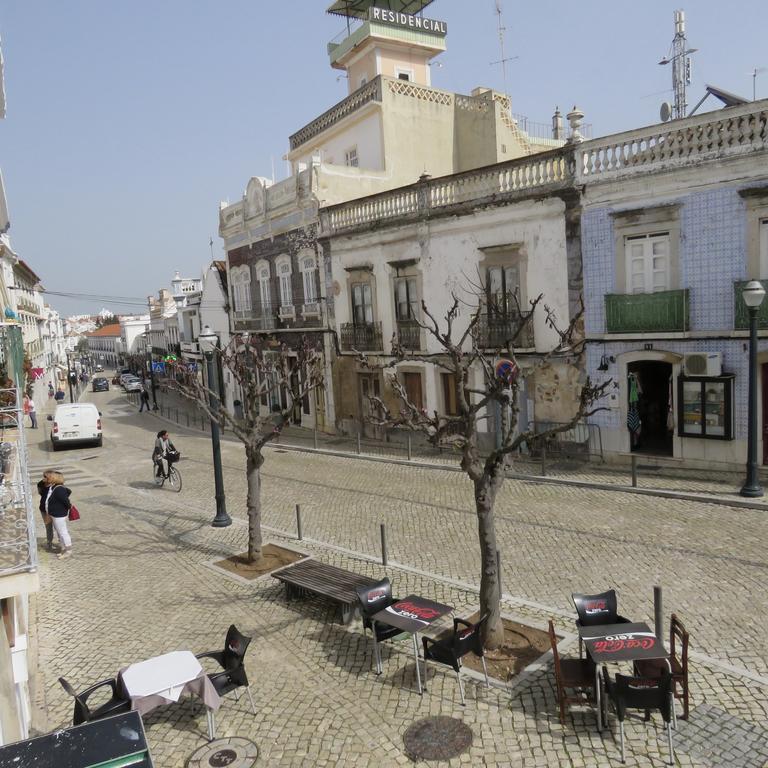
[104,345]
[133,329]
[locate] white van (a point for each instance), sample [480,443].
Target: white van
[76,423]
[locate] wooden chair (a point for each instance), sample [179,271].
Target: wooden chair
[678,660]
[578,674]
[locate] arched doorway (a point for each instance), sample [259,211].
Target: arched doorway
[650,393]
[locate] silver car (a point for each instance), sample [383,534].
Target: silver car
[132,385]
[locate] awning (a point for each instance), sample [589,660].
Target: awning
[359,8]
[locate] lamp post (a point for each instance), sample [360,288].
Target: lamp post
[753,295]
[208,341]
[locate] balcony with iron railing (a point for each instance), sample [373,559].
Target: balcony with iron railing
[664,311]
[409,334]
[361,338]
[741,313]
[496,330]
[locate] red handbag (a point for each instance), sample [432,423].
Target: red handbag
[73,513]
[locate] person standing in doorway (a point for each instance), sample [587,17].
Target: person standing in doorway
[144,399]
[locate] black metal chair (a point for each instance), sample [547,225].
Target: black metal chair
[372,600]
[231,660]
[594,610]
[116,703]
[646,693]
[466,638]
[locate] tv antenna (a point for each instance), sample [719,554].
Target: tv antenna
[755,72]
[504,59]
[679,57]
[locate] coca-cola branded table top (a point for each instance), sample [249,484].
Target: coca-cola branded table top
[412,614]
[622,642]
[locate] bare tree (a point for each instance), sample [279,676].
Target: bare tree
[479,389]
[275,377]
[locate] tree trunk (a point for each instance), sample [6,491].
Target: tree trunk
[254,460]
[486,488]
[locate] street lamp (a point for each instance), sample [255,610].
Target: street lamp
[208,341]
[69,379]
[753,294]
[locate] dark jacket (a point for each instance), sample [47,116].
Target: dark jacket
[58,504]
[42,489]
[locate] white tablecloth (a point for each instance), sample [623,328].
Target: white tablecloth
[164,675]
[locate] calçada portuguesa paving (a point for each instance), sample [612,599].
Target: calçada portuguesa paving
[139,585]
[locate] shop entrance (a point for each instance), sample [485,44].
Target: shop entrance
[764,384]
[649,417]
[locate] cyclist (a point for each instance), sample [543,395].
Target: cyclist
[164,453]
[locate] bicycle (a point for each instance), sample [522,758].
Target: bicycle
[173,477]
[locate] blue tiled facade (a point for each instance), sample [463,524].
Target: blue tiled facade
[712,255]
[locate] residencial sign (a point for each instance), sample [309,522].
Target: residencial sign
[398,19]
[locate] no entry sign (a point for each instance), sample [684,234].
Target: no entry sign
[507,370]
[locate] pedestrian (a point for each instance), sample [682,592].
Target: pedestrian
[42,489]
[59,395]
[57,505]
[51,391]
[144,399]
[32,412]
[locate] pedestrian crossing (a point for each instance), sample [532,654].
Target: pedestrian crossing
[74,476]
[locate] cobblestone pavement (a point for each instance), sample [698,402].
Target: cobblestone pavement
[139,585]
[652,472]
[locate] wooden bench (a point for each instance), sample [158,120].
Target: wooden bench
[334,584]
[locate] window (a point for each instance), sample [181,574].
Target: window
[706,407]
[362,307]
[404,74]
[308,278]
[503,287]
[363,81]
[647,263]
[764,249]
[241,288]
[284,277]
[412,384]
[350,157]
[265,295]
[406,299]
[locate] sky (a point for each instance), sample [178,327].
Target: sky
[128,122]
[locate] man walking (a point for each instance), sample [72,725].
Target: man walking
[144,399]
[32,413]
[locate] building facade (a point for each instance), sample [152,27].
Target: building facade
[105,345]
[675,222]
[497,239]
[392,128]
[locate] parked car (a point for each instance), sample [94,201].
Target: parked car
[127,377]
[100,384]
[132,385]
[99,368]
[75,423]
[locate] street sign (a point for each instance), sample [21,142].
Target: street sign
[507,370]
[158,367]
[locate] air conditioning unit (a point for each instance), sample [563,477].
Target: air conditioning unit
[703,364]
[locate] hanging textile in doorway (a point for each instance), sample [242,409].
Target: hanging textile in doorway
[670,411]
[633,414]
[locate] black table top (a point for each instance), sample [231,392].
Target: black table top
[82,746]
[412,613]
[622,642]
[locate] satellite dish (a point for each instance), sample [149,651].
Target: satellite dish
[665,112]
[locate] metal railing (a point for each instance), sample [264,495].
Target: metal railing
[18,544]
[645,312]
[497,331]
[582,440]
[363,338]
[409,334]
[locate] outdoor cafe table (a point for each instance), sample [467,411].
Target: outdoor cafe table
[612,643]
[163,679]
[411,615]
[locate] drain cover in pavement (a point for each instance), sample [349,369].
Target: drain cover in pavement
[225,753]
[437,738]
